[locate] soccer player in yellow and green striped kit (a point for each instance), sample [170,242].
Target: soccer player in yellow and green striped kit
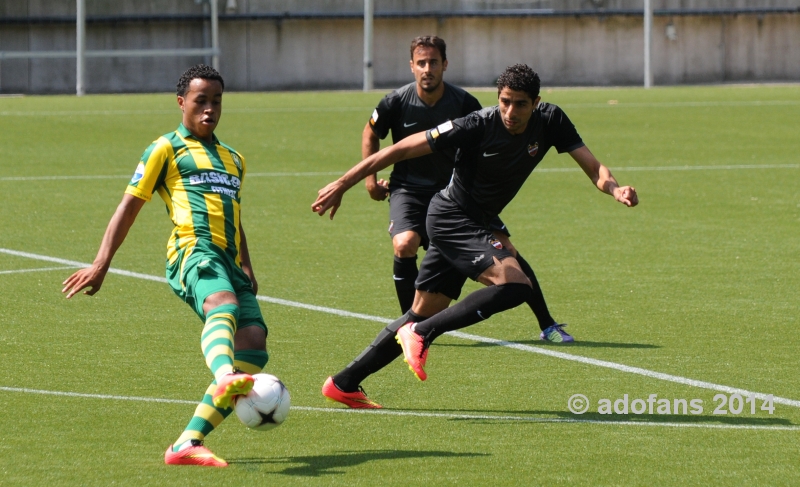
[208,264]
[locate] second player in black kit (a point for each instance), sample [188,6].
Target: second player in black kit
[414,181]
[498,148]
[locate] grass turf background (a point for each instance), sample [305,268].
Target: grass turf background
[699,281]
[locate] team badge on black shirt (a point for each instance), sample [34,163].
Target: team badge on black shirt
[533,149]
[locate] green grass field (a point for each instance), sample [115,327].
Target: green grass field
[699,283]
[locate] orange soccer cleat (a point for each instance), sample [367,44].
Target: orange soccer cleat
[196,454]
[414,350]
[355,400]
[230,386]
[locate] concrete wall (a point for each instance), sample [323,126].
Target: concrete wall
[311,54]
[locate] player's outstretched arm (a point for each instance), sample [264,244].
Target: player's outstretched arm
[92,277]
[602,177]
[330,197]
[244,254]
[370,144]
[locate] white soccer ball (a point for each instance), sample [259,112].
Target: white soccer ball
[266,406]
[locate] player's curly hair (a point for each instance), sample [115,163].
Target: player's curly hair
[429,41]
[198,71]
[520,77]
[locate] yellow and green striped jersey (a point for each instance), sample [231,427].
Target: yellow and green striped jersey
[200,184]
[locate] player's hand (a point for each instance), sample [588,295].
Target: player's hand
[91,277]
[329,197]
[626,195]
[378,190]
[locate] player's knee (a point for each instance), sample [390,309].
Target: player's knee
[251,337]
[218,299]
[406,244]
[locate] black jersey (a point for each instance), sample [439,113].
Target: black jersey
[404,113]
[491,163]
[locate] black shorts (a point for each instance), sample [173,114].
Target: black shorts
[460,248]
[408,211]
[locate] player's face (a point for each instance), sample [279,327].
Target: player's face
[202,107]
[516,107]
[428,68]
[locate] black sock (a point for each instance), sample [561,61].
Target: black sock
[405,273]
[477,306]
[536,301]
[380,353]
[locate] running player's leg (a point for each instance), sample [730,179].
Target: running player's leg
[345,386]
[537,303]
[207,286]
[438,285]
[405,271]
[407,213]
[250,356]
[472,250]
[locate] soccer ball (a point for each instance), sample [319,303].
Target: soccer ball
[266,405]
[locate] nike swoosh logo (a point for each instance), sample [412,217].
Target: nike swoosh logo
[397,278]
[479,314]
[490,155]
[409,124]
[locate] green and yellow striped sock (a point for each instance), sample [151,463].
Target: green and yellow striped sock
[206,416]
[217,339]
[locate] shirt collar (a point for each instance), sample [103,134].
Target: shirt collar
[188,135]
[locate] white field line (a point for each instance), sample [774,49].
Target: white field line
[466,336]
[41,269]
[399,412]
[365,109]
[726,167]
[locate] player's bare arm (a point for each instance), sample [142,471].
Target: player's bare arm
[370,144]
[330,197]
[93,276]
[602,177]
[244,254]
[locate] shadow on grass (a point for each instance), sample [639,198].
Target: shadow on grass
[336,463]
[561,346]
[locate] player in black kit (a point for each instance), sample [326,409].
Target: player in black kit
[417,106]
[497,149]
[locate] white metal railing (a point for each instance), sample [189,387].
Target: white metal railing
[81,53]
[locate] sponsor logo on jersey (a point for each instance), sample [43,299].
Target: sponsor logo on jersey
[214,177]
[496,244]
[226,191]
[391,226]
[236,160]
[533,149]
[406,125]
[490,155]
[374,118]
[138,174]
[478,259]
